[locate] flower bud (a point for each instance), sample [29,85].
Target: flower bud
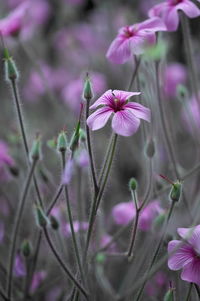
[75,138]
[26,248]
[62,142]
[11,72]
[150,148]
[54,222]
[35,153]
[100,258]
[41,218]
[169,296]
[175,192]
[87,90]
[132,184]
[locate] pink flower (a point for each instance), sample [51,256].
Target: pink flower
[13,23]
[192,111]
[19,266]
[187,256]
[174,75]
[123,213]
[38,278]
[156,284]
[127,115]
[78,226]
[168,11]
[133,39]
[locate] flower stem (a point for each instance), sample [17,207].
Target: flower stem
[137,65]
[63,266]
[189,55]
[16,228]
[89,147]
[157,250]
[197,290]
[71,222]
[189,292]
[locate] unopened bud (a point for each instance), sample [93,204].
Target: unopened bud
[150,148]
[62,142]
[35,153]
[87,90]
[26,248]
[175,192]
[169,296]
[132,184]
[41,218]
[100,258]
[54,222]
[11,71]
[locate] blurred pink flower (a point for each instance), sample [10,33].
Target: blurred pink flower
[82,158]
[105,239]
[194,111]
[187,256]
[72,93]
[168,11]
[19,266]
[68,172]
[133,39]
[123,213]
[127,115]
[156,284]
[13,23]
[37,279]
[174,74]
[78,226]
[6,161]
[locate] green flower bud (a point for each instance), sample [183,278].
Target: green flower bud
[54,222]
[156,52]
[175,192]
[169,296]
[62,142]
[52,143]
[11,72]
[41,218]
[132,184]
[150,148]
[100,258]
[26,248]
[75,138]
[87,90]
[35,153]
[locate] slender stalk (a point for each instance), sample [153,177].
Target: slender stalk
[157,250]
[197,290]
[53,202]
[97,200]
[137,65]
[89,147]
[189,55]
[75,244]
[16,228]
[135,226]
[189,292]
[63,266]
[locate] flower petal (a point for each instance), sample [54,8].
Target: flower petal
[123,213]
[125,123]
[182,256]
[98,119]
[191,272]
[119,51]
[189,8]
[171,19]
[192,235]
[105,99]
[139,110]
[153,25]
[124,95]
[157,10]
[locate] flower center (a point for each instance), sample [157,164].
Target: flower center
[128,32]
[175,2]
[117,104]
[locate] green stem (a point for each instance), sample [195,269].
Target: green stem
[16,228]
[71,223]
[137,65]
[89,147]
[197,290]
[157,250]
[63,266]
[189,292]
[53,202]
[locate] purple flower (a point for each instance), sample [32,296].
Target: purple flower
[123,213]
[127,115]
[187,256]
[156,284]
[38,277]
[68,172]
[133,39]
[174,75]
[19,266]
[5,161]
[168,11]
[194,110]
[78,226]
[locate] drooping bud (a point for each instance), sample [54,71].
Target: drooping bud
[150,148]
[62,142]
[54,222]
[132,184]
[35,153]
[26,248]
[41,218]
[169,296]
[11,72]
[87,90]
[175,192]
